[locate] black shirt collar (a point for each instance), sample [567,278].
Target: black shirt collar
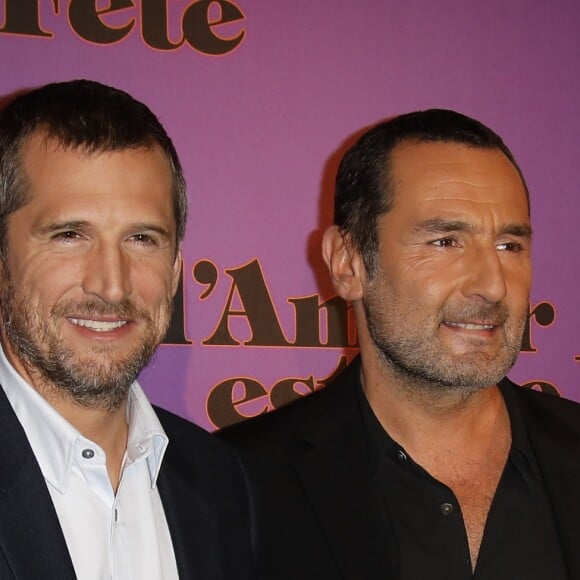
[381,445]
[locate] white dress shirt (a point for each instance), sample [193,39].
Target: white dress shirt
[122,536]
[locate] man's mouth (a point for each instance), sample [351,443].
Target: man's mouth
[471,325]
[98,325]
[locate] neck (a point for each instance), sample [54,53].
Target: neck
[429,418]
[107,427]
[460,436]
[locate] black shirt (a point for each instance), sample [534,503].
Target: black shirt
[424,530]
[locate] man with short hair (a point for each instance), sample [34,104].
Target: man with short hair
[94,482]
[422,460]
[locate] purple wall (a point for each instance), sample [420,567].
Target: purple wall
[260,128]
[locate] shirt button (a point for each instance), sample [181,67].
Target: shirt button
[88,453]
[401,455]
[446,508]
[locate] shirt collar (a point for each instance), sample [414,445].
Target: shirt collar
[521,452]
[53,439]
[380,443]
[146,439]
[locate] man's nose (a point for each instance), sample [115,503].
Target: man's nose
[484,275]
[107,274]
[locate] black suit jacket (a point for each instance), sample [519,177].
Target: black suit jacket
[316,508]
[202,488]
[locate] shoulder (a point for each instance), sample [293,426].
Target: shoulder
[546,408]
[272,429]
[206,498]
[182,428]
[201,465]
[310,417]
[190,443]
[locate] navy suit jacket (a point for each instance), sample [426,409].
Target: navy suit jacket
[202,488]
[317,516]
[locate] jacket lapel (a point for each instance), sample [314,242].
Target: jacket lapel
[30,535]
[335,472]
[195,531]
[556,444]
[181,510]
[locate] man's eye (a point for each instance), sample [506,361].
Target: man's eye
[514,247]
[444,242]
[67,235]
[144,239]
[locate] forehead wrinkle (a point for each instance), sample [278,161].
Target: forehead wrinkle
[456,185]
[462,182]
[467,200]
[458,174]
[447,173]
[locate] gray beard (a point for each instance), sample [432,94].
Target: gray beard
[56,369]
[425,369]
[89,386]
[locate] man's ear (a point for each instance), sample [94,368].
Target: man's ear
[344,263]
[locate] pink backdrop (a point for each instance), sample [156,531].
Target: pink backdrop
[260,126]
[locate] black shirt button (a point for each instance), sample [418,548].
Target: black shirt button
[401,455]
[88,453]
[446,508]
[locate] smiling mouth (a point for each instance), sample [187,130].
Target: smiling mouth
[98,325]
[471,326]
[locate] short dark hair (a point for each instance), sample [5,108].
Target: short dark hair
[79,114]
[364,189]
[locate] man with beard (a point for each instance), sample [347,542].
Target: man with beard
[95,483]
[422,460]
